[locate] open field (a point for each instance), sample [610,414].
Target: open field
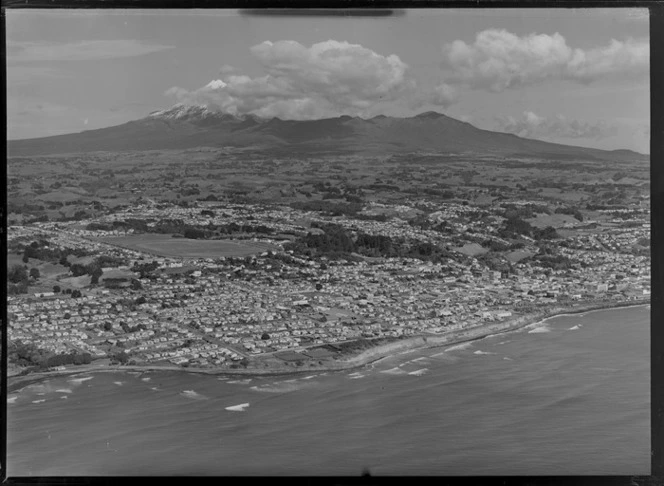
[167,246]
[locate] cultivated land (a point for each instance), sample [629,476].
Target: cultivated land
[242,261]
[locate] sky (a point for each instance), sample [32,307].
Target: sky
[573,76]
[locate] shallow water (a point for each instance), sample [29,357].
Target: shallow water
[567,396]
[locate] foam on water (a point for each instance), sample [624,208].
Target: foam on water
[240,382]
[238,408]
[419,372]
[78,381]
[539,330]
[309,377]
[63,390]
[146,379]
[64,397]
[574,328]
[482,352]
[192,394]
[119,383]
[459,347]
[39,401]
[12,398]
[356,375]
[507,359]
[394,371]
[423,358]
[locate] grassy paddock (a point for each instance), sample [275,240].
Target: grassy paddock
[167,246]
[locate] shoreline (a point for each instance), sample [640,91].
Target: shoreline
[364,358]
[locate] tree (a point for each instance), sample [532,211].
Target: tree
[76,294]
[265,336]
[56,289]
[108,326]
[17,274]
[78,270]
[34,273]
[319,286]
[96,273]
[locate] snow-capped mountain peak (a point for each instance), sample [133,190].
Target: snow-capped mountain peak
[181,111]
[198,115]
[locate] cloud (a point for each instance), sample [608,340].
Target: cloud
[444,95]
[499,60]
[79,51]
[329,78]
[531,125]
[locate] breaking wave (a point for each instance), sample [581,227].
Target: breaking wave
[78,381]
[192,394]
[240,382]
[459,347]
[539,330]
[394,371]
[238,408]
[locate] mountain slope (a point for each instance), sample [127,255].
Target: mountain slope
[182,127]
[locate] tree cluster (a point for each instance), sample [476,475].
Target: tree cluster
[17,280]
[571,211]
[28,354]
[40,250]
[337,242]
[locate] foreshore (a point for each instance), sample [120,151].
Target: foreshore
[347,362]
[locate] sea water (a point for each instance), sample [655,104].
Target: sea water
[569,396]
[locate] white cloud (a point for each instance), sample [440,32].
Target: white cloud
[499,60]
[79,51]
[531,125]
[329,78]
[445,95]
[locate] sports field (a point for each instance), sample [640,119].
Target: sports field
[167,246]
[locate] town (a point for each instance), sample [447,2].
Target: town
[215,279]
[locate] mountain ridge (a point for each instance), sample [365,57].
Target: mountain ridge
[189,126]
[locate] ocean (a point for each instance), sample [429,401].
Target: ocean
[567,396]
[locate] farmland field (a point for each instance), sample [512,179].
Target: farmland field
[167,246]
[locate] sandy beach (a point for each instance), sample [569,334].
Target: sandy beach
[347,362]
